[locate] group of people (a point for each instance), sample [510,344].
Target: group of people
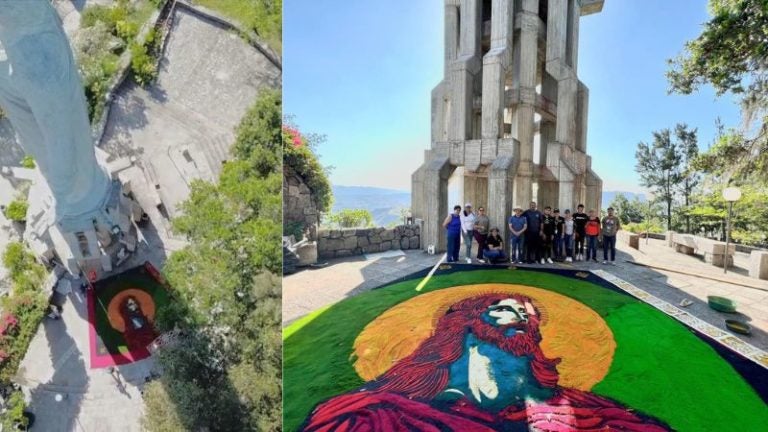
[535,236]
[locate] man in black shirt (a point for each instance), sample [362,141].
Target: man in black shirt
[549,225]
[558,238]
[532,234]
[579,223]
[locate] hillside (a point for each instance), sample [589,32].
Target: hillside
[386,204]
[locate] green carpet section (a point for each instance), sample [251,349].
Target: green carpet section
[112,340]
[660,367]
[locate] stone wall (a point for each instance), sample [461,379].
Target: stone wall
[357,241]
[298,204]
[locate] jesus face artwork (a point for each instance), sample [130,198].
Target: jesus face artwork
[508,312]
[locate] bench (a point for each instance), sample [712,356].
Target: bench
[684,243]
[714,251]
[758,264]
[632,239]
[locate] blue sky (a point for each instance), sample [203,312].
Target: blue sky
[361,73]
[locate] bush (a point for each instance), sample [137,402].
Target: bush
[654,227]
[142,64]
[14,414]
[352,218]
[298,155]
[26,305]
[17,210]
[28,162]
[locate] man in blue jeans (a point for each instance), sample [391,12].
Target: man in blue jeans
[452,225]
[517,226]
[611,225]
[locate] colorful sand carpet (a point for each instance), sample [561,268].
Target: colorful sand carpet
[121,313]
[434,358]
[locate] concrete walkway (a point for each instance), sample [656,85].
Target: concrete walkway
[309,290]
[56,366]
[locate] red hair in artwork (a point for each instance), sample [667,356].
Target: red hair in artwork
[425,372]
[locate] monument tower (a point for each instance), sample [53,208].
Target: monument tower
[510,86]
[79,214]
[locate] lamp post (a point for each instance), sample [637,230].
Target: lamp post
[730,194]
[650,198]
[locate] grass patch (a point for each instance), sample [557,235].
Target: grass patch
[262,16]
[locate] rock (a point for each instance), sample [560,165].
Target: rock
[388,235]
[343,253]
[414,242]
[386,245]
[362,242]
[348,233]
[404,243]
[373,248]
[350,242]
[375,239]
[335,234]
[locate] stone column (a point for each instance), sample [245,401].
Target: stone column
[500,181]
[495,64]
[463,71]
[436,174]
[451,35]
[529,28]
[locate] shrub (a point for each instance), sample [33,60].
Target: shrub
[14,414]
[142,64]
[28,162]
[298,155]
[352,218]
[17,210]
[26,304]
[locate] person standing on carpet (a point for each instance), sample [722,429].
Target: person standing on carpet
[580,221]
[467,229]
[558,238]
[481,232]
[592,230]
[452,225]
[532,234]
[568,230]
[495,247]
[517,226]
[611,225]
[548,224]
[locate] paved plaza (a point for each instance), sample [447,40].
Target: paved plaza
[312,289]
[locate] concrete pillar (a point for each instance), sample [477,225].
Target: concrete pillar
[500,188]
[417,192]
[451,35]
[582,117]
[524,113]
[476,191]
[436,174]
[464,69]
[495,64]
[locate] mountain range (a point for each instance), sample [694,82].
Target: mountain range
[386,204]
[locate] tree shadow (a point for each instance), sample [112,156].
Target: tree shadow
[56,402]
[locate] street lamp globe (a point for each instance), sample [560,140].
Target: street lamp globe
[732,194]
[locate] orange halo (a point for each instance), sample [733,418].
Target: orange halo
[142,297]
[570,330]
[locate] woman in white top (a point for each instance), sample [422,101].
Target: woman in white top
[467,229]
[568,236]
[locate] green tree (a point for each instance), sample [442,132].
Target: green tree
[730,54]
[352,218]
[227,292]
[629,211]
[689,148]
[659,166]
